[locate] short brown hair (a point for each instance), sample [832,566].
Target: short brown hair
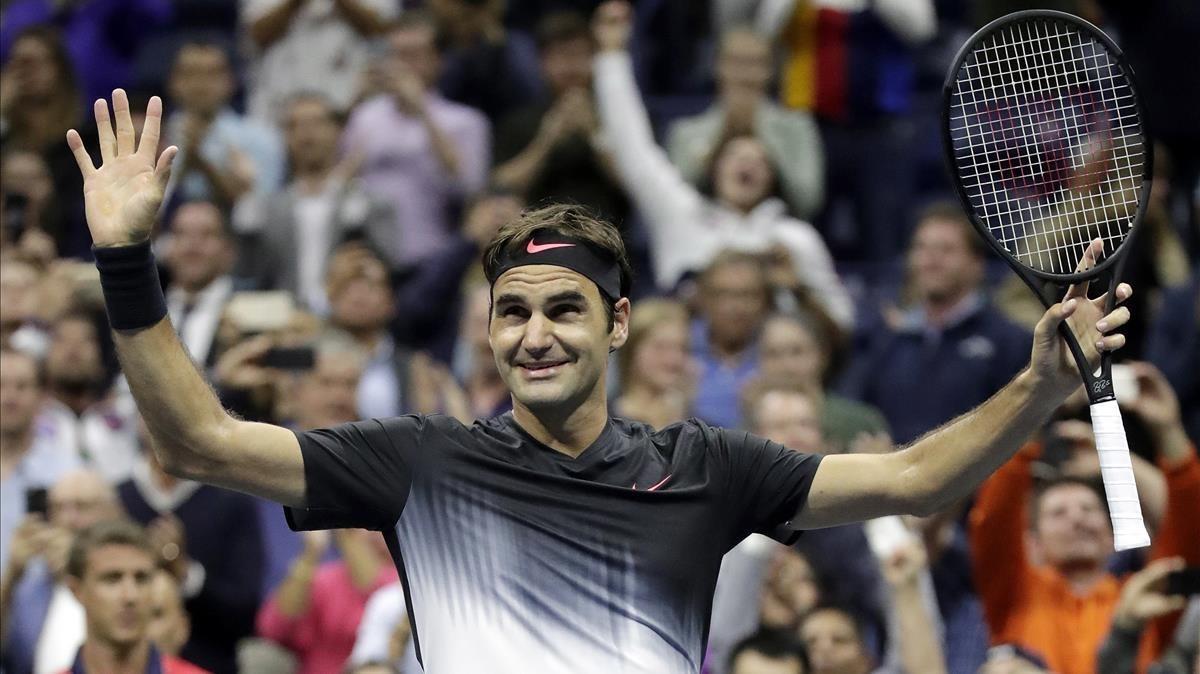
[113,532]
[948,211]
[558,27]
[565,220]
[755,390]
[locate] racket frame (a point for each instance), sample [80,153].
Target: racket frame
[1098,383]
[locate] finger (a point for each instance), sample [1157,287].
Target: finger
[1045,332]
[152,128]
[1090,255]
[1110,343]
[125,133]
[1114,320]
[86,167]
[108,142]
[1124,292]
[162,171]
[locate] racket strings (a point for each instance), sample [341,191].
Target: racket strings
[1048,142]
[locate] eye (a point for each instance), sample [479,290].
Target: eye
[513,311]
[565,310]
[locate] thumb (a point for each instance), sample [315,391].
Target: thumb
[162,170]
[1046,332]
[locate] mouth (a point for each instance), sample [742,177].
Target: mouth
[542,369]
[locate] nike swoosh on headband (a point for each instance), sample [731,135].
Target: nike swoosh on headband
[532,247]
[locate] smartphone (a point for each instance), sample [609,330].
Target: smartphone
[1184,582]
[260,311]
[37,501]
[15,205]
[290,358]
[1125,384]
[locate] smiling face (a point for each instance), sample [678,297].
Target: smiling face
[1072,527]
[550,337]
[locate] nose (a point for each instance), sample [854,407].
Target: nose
[539,336]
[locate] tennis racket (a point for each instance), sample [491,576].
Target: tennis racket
[1043,132]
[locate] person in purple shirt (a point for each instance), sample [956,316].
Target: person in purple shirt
[420,152]
[102,35]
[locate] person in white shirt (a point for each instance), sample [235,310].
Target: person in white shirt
[299,44]
[200,252]
[687,227]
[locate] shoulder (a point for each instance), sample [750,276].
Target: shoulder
[173,665]
[457,114]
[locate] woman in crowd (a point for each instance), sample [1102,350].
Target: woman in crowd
[654,366]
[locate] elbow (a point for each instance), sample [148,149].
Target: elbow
[920,495]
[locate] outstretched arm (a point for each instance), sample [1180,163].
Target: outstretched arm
[194,436]
[949,463]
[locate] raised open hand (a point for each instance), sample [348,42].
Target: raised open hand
[121,198]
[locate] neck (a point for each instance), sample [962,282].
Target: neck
[367,338]
[1082,576]
[311,179]
[76,399]
[938,310]
[109,658]
[570,433]
[193,288]
[729,351]
[742,209]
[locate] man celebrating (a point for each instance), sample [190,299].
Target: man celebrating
[554,538]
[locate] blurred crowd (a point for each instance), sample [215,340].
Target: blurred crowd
[775,170]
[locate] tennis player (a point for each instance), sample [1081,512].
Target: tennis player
[553,538]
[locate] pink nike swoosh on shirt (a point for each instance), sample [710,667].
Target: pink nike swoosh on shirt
[537,248]
[660,483]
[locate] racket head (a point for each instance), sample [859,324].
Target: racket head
[1045,138]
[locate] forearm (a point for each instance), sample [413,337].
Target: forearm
[295,592]
[361,19]
[920,648]
[362,565]
[443,149]
[949,463]
[517,173]
[227,186]
[188,424]
[271,26]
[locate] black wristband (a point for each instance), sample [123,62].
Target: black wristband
[133,294]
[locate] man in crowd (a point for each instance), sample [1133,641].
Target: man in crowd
[299,44]
[43,624]
[209,540]
[734,300]
[949,352]
[223,155]
[1056,596]
[199,259]
[743,107]
[289,233]
[551,151]
[768,653]
[420,152]
[111,569]
[30,459]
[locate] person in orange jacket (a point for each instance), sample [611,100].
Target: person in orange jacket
[1051,592]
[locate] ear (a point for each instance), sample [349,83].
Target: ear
[621,313]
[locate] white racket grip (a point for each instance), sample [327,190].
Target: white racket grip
[1129,531]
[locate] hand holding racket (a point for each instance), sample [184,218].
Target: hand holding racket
[1044,137]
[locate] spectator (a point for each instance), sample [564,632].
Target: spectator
[385,634]
[41,101]
[474,365]
[1060,608]
[949,352]
[834,639]
[316,611]
[395,381]
[169,627]
[299,44]
[742,213]
[288,234]
[768,653]
[102,37]
[551,151]
[83,411]
[19,281]
[834,642]
[222,155]
[743,108]
[1009,659]
[487,66]
[208,539]
[43,623]
[919,642]
[1174,346]
[421,153]
[29,459]
[30,209]
[111,569]
[199,257]
[1145,597]
[852,65]
[656,373]
[733,299]
[791,347]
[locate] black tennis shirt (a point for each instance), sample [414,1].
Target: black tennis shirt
[518,558]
